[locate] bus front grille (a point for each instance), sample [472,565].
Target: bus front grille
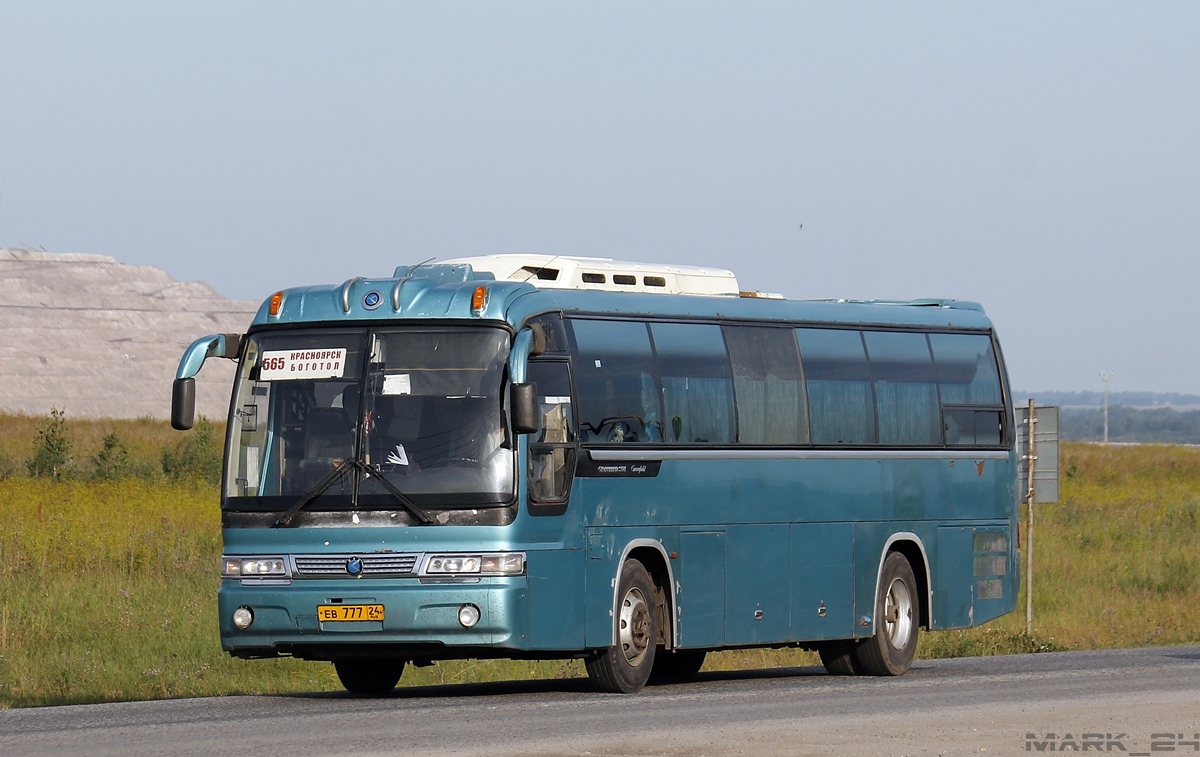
[315,566]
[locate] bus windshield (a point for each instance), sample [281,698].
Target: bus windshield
[324,415]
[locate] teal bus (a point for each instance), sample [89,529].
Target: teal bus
[543,457]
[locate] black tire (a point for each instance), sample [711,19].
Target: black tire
[369,677]
[625,668]
[890,651]
[674,667]
[838,657]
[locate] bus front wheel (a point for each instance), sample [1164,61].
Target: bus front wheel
[369,677]
[625,667]
[890,651]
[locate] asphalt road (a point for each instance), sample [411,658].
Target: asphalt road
[1118,702]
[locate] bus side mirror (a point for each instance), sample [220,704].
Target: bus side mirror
[232,346]
[183,403]
[525,418]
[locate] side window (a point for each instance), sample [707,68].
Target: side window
[969,382]
[552,449]
[840,403]
[906,393]
[618,395]
[696,386]
[769,385]
[555,332]
[967,372]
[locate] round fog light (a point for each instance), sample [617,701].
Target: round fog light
[468,615]
[242,618]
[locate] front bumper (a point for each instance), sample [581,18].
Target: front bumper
[420,619]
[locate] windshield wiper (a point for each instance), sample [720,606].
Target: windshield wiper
[400,496]
[340,470]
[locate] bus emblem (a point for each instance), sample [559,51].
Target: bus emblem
[354,566]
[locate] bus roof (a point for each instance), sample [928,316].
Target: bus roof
[512,288]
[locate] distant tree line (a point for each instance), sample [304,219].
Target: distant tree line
[1129,424]
[1096,399]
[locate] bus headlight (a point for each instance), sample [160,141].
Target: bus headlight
[249,567]
[493,564]
[454,564]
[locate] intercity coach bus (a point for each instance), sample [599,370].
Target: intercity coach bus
[549,457]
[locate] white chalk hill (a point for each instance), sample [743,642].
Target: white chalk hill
[100,339]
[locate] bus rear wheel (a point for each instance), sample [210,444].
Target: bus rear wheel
[369,677]
[890,651]
[625,667]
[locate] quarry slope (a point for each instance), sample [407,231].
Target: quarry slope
[100,339]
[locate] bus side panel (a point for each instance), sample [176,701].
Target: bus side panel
[701,582]
[974,489]
[818,491]
[988,589]
[600,576]
[604,547]
[953,582]
[870,540]
[919,488]
[556,606]
[757,584]
[822,581]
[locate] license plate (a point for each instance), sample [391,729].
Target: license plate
[339,613]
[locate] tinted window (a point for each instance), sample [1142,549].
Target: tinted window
[966,366]
[969,381]
[618,398]
[769,385]
[906,398]
[840,404]
[696,386]
[551,326]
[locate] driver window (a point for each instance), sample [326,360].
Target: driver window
[618,395]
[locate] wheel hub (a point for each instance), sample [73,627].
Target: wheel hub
[897,614]
[634,627]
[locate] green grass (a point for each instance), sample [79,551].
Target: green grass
[109,587]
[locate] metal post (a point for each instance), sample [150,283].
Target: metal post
[1029,458]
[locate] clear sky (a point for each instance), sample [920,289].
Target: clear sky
[1041,158]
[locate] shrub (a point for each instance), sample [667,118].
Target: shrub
[8,468]
[197,457]
[52,449]
[112,461]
